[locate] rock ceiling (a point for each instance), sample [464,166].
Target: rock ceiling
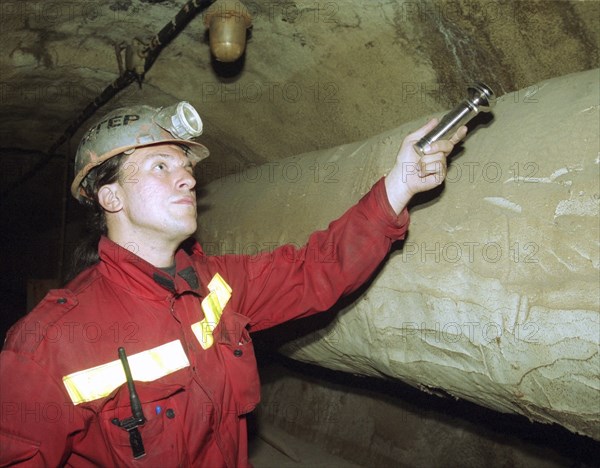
[315,73]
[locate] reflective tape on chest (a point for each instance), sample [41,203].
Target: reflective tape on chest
[147,366]
[212,306]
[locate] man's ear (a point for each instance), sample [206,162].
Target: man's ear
[109,198]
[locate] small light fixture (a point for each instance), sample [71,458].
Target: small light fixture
[181,120]
[227,21]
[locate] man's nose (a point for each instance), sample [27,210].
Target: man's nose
[186,179]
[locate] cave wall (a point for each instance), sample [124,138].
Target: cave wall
[493,297]
[378,423]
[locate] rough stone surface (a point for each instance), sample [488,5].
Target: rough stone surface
[374,423]
[316,73]
[494,295]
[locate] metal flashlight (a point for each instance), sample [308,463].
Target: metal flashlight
[480,98]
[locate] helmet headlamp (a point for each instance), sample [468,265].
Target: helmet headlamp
[181,120]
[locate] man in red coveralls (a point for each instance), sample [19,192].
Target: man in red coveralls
[181,317]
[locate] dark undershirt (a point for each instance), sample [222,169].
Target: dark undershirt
[169,270]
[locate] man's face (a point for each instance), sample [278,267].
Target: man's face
[156,189]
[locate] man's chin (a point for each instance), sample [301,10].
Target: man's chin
[184,231]
[192,229]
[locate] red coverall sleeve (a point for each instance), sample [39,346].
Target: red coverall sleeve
[35,418]
[290,283]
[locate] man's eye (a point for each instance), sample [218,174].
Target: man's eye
[161,166]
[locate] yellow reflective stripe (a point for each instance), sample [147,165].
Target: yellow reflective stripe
[98,382]
[212,306]
[220,288]
[203,334]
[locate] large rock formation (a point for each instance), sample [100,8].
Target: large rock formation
[493,297]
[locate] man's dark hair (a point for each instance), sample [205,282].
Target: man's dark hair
[86,253]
